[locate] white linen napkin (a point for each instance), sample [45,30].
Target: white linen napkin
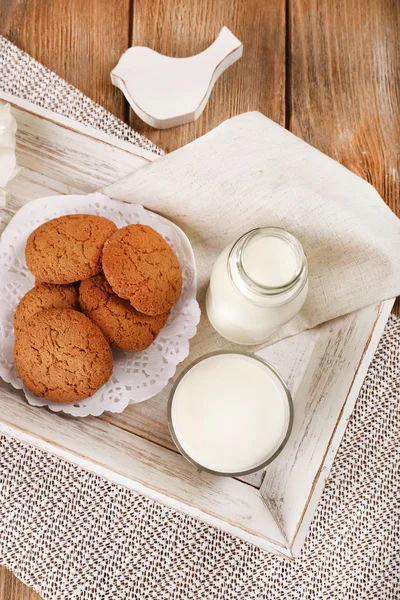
[250,172]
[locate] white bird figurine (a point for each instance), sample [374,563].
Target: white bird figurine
[165,91]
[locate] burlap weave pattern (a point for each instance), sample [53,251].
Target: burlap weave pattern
[74,536]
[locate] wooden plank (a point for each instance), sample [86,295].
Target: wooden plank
[60,156]
[144,467]
[77,167]
[7,8]
[49,117]
[323,402]
[343,85]
[39,126]
[149,420]
[12,588]
[255,82]
[80,41]
[303,524]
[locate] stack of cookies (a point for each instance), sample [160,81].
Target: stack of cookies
[96,286]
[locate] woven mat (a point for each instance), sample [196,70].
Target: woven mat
[74,536]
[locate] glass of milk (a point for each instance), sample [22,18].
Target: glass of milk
[230,413]
[257,284]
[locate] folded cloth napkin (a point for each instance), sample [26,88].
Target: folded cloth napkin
[250,172]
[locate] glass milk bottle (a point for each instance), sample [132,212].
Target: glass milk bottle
[257,285]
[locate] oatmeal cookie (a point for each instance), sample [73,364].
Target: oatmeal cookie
[141,267]
[122,325]
[43,297]
[62,356]
[68,248]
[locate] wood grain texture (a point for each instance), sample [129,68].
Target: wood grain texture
[322,393]
[7,8]
[255,82]
[80,40]
[12,588]
[344,85]
[87,167]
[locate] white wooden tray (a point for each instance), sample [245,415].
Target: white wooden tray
[324,368]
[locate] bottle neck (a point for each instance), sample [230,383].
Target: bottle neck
[268,266]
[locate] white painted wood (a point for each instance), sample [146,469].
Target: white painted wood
[27,186]
[61,156]
[323,401]
[324,369]
[149,420]
[40,121]
[158,473]
[382,314]
[165,91]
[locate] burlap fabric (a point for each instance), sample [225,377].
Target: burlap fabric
[74,536]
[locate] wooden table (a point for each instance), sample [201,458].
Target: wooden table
[328,71]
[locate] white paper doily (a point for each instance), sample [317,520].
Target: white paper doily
[136,376]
